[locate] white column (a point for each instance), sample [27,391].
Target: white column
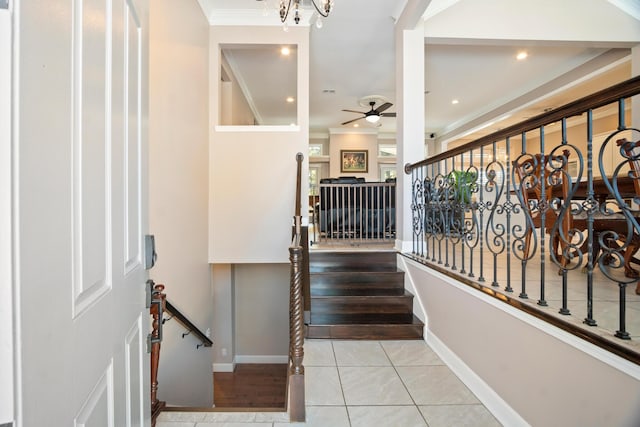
[410,133]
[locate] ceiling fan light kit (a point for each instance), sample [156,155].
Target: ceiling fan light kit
[374,114]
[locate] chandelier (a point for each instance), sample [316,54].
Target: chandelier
[286,7]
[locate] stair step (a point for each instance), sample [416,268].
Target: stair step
[379,278]
[355,304]
[356,289]
[360,295]
[352,261]
[379,327]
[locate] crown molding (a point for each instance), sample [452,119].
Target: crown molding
[257,17]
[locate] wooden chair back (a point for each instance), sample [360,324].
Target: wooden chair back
[529,172]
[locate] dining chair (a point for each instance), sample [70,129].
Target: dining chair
[539,199]
[632,153]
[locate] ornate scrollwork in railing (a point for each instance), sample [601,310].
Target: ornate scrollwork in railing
[527,203]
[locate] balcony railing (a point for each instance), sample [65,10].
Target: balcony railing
[544,215]
[353,211]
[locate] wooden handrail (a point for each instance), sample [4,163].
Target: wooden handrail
[158,305]
[599,99]
[177,314]
[295,374]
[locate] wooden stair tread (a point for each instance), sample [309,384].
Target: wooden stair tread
[365,319]
[360,295]
[356,291]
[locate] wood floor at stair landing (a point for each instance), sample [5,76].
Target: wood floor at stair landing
[254,386]
[360,295]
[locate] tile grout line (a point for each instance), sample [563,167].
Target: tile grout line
[405,386]
[344,399]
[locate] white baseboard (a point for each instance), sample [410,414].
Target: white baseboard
[260,359]
[223,367]
[489,398]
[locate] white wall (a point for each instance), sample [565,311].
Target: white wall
[542,373]
[353,140]
[6,284]
[178,191]
[253,168]
[262,313]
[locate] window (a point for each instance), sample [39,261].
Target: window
[315,150]
[387,171]
[387,150]
[314,174]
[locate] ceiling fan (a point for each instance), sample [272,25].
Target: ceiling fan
[373,115]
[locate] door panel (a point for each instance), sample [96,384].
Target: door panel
[81,213]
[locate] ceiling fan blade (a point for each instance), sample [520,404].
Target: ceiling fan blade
[354,111]
[383,107]
[351,121]
[388,114]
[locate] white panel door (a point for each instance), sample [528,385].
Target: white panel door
[80,200]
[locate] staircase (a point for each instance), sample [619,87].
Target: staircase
[360,295]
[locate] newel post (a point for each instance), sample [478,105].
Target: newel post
[296,337]
[158,303]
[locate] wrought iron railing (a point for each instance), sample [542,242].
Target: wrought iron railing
[545,215]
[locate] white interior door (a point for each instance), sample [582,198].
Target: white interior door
[81,212]
[6,276]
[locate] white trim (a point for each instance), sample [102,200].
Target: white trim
[18,385]
[260,359]
[7,365]
[409,284]
[489,398]
[358,131]
[616,362]
[257,128]
[404,246]
[223,367]
[318,135]
[256,16]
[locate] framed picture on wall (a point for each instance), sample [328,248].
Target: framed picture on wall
[354,161]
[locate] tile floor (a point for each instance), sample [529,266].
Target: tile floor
[365,384]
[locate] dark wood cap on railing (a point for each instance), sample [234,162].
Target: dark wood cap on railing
[599,99]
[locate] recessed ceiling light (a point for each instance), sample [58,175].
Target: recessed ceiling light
[355,125]
[455,101]
[290,99]
[285,51]
[522,55]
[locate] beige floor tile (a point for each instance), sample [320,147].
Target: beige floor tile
[410,353]
[373,386]
[459,416]
[322,416]
[322,386]
[318,353]
[430,385]
[385,416]
[360,353]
